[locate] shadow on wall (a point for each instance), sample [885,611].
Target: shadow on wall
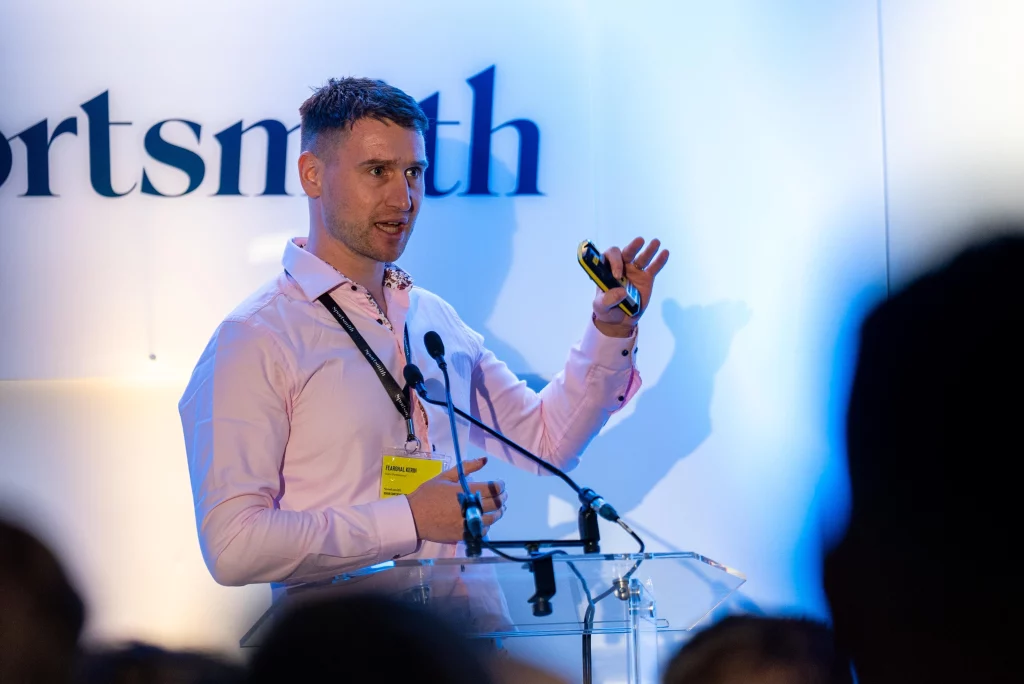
[462,250]
[671,420]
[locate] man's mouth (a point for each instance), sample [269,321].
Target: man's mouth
[391,227]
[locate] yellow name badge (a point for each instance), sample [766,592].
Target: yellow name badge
[404,473]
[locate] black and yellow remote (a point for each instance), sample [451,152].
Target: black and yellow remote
[597,268]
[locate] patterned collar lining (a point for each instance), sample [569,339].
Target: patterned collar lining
[396,278]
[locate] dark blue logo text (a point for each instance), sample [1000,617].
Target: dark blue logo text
[38,139]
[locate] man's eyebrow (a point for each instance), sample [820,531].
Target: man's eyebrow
[423,163]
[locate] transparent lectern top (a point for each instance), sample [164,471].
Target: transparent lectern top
[489,596]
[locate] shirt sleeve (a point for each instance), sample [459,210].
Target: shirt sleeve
[235,415]
[557,423]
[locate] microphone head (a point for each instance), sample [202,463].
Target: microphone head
[435,347]
[413,375]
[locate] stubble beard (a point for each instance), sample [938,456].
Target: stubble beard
[359,239]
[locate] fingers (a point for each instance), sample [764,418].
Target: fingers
[494,503]
[492,494]
[470,466]
[643,259]
[629,253]
[659,263]
[497,503]
[614,258]
[491,488]
[647,260]
[492,517]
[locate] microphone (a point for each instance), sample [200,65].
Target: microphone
[435,347]
[414,378]
[472,509]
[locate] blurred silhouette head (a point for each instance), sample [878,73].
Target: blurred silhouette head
[145,664]
[366,638]
[760,650]
[41,615]
[918,585]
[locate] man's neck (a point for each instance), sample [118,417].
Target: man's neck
[360,269]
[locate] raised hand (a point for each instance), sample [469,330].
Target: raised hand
[640,265]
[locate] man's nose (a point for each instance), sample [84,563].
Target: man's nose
[399,194]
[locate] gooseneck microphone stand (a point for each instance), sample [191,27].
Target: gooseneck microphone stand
[540,564]
[472,509]
[591,503]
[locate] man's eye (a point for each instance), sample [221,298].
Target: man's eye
[414,172]
[377,171]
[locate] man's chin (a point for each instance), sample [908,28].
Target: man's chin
[386,255]
[390,251]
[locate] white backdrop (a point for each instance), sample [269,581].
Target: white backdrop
[747,135]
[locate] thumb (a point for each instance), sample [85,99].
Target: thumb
[471,466]
[474,465]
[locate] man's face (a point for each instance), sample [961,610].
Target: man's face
[372,187]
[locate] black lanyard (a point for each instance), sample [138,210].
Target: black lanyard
[399,396]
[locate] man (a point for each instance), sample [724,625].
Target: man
[289,430]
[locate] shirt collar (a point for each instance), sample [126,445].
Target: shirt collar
[315,276]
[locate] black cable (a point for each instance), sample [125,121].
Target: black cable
[518,559]
[508,442]
[588,658]
[591,611]
[587,497]
[633,534]
[588,615]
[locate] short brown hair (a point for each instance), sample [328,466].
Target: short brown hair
[339,103]
[748,648]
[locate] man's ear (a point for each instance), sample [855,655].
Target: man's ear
[310,173]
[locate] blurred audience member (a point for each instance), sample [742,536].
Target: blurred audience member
[760,650]
[922,586]
[514,671]
[41,614]
[144,664]
[366,638]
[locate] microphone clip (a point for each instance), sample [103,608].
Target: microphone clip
[473,540]
[591,499]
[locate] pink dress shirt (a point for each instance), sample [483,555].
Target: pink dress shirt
[286,423]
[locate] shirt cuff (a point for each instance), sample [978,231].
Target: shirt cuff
[615,353]
[395,526]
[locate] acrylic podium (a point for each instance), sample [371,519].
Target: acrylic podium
[637,596]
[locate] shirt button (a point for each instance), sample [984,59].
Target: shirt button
[354,288]
[622,397]
[625,352]
[380,321]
